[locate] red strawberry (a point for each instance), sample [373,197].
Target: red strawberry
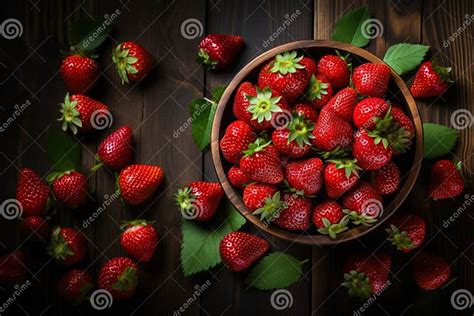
[83,114]
[399,117]
[69,188]
[331,133]
[446,180]
[371,150]
[74,286]
[310,65]
[139,239]
[406,232]
[306,110]
[366,274]
[343,103]
[340,176]
[79,73]
[262,163]
[286,75]
[430,271]
[296,213]
[138,182]
[368,111]
[67,246]
[13,268]
[305,175]
[329,218]
[430,80]
[293,140]
[119,276]
[237,138]
[256,195]
[116,150]
[335,68]
[218,51]
[371,80]
[133,62]
[36,226]
[237,177]
[199,200]
[319,91]
[240,250]
[32,193]
[364,204]
[387,179]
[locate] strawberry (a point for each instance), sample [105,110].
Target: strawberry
[36,226]
[69,188]
[310,65]
[67,246]
[364,204]
[240,250]
[371,80]
[399,117]
[261,162]
[371,150]
[218,51]
[340,175]
[307,111]
[137,183]
[119,276]
[406,231]
[79,73]
[74,286]
[116,150]
[286,75]
[366,274]
[331,133]
[139,239]
[199,200]
[237,138]
[256,195]
[387,179]
[293,140]
[343,103]
[237,177]
[83,114]
[133,62]
[368,111]
[305,175]
[446,180]
[296,213]
[32,193]
[319,91]
[329,218]
[430,271]
[431,80]
[336,70]
[13,268]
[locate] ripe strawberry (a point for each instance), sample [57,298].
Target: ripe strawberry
[293,140]
[116,150]
[399,117]
[331,133]
[81,113]
[310,65]
[371,150]
[261,162]
[296,213]
[79,73]
[237,177]
[74,286]
[305,175]
[139,239]
[36,226]
[406,231]
[286,75]
[133,62]
[138,182]
[67,246]
[32,193]
[340,175]
[364,204]
[200,200]
[256,195]
[329,218]
[319,91]
[430,271]
[237,138]
[306,110]
[13,268]
[446,180]
[240,250]
[368,111]
[366,274]
[430,80]
[335,68]
[343,103]
[387,179]
[371,80]
[119,276]
[218,51]
[69,188]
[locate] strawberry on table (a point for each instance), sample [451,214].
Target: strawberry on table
[69,187]
[218,51]
[116,150]
[446,180]
[74,286]
[256,195]
[364,204]
[340,175]
[431,80]
[305,175]
[294,139]
[310,65]
[36,226]
[199,200]
[306,110]
[329,218]
[371,80]
[387,179]
[331,133]
[13,268]
[237,177]
[371,149]
[119,276]
[406,231]
[343,103]
[296,213]
[79,73]
[368,112]
[132,61]
[32,193]
[237,138]
[137,183]
[261,162]
[67,245]
[430,271]
[139,239]
[336,70]
[240,250]
[319,91]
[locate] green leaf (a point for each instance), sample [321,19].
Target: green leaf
[87,34]
[438,140]
[349,28]
[63,152]
[405,57]
[200,247]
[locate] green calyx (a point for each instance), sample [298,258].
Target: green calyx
[399,239]
[360,219]
[444,73]
[58,247]
[263,105]
[127,280]
[271,209]
[316,89]
[333,229]
[185,199]
[390,133]
[204,58]
[136,222]
[337,153]
[124,63]
[256,146]
[300,131]
[288,62]
[358,284]
[349,165]
[70,116]
[378,138]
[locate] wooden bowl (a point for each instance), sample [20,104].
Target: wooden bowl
[409,164]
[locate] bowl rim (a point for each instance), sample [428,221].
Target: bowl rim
[299,237]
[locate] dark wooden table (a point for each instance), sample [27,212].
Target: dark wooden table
[159,106]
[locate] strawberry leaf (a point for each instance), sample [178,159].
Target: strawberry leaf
[63,152]
[87,34]
[405,57]
[349,28]
[439,140]
[200,247]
